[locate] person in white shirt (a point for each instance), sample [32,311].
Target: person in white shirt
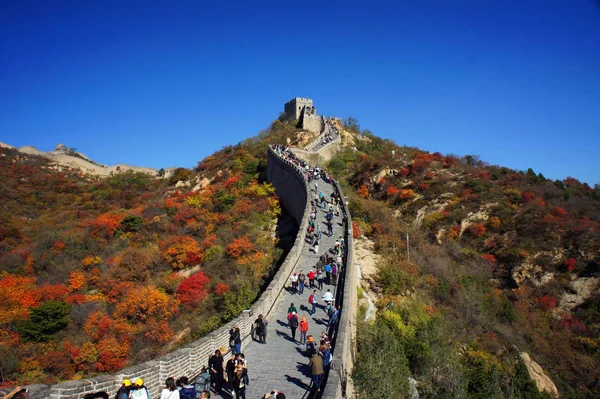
[171,391]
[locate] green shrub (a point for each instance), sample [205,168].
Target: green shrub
[45,321]
[381,367]
[214,252]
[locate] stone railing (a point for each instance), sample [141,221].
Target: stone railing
[188,361]
[337,382]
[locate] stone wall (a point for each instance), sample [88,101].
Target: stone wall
[313,123]
[188,361]
[338,381]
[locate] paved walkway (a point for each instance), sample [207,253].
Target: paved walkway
[281,364]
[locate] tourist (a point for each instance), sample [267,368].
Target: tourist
[316,246]
[171,391]
[294,279]
[316,366]
[328,273]
[260,331]
[186,390]
[320,279]
[229,371]
[311,278]
[139,390]
[303,330]
[123,392]
[291,309]
[311,346]
[334,272]
[328,298]
[325,354]
[235,340]
[215,364]
[240,381]
[241,359]
[313,299]
[301,281]
[334,316]
[293,324]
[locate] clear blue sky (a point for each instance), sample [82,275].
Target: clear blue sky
[159,83]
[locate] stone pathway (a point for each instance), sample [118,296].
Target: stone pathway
[281,364]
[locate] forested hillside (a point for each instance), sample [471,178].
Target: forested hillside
[501,262]
[97,274]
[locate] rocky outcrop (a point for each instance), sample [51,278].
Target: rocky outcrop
[530,270]
[537,374]
[581,289]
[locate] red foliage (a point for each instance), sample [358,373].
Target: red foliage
[363,191]
[231,181]
[105,225]
[573,324]
[527,197]
[477,229]
[571,264]
[546,302]
[422,161]
[392,190]
[489,258]
[355,230]
[183,251]
[221,289]
[449,162]
[424,186]
[558,211]
[112,354]
[193,289]
[404,172]
[239,247]
[98,325]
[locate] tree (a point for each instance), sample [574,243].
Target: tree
[352,124]
[193,289]
[180,174]
[45,321]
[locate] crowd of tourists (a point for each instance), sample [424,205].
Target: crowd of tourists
[311,172]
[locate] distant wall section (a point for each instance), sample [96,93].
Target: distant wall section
[289,186]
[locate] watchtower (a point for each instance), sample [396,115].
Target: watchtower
[295,108]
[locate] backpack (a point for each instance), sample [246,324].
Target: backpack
[330,312]
[310,298]
[187,393]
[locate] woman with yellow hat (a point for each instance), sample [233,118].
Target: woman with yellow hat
[139,390]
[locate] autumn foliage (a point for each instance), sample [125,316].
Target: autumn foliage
[118,251]
[194,289]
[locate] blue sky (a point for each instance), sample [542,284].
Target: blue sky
[159,83]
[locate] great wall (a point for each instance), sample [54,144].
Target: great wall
[294,192]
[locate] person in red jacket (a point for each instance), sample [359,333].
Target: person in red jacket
[303,330]
[311,278]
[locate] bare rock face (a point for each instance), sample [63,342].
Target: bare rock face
[582,288]
[537,374]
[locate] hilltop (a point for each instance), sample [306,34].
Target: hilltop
[63,156]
